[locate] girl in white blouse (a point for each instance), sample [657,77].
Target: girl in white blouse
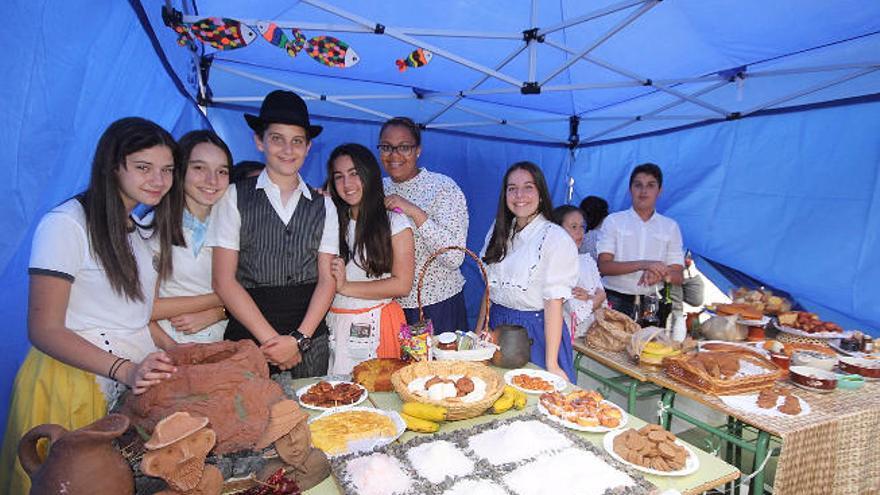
[187,309]
[589,294]
[376,262]
[530,264]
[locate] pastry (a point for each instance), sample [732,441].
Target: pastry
[375,374]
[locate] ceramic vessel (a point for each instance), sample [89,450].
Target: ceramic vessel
[75,457]
[514,346]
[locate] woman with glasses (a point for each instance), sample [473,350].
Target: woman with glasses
[529,262]
[375,262]
[437,209]
[589,294]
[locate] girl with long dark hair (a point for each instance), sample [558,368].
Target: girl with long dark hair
[187,309]
[531,268]
[92,283]
[376,262]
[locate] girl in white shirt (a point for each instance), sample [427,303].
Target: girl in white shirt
[589,294]
[92,282]
[187,309]
[376,262]
[529,264]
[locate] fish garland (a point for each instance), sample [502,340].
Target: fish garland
[174,19]
[332,52]
[223,33]
[418,58]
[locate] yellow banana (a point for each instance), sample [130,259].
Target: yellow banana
[429,412]
[418,424]
[503,404]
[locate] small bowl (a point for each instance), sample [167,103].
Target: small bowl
[813,360]
[868,368]
[448,341]
[813,378]
[850,382]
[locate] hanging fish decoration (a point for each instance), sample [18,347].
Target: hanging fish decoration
[174,19]
[418,58]
[276,36]
[332,52]
[223,33]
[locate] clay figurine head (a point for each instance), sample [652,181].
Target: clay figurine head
[177,450]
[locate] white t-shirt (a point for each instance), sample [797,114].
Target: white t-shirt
[589,279]
[625,235]
[225,227]
[95,311]
[540,264]
[355,273]
[191,277]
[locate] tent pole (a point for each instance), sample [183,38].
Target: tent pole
[654,112]
[301,91]
[532,43]
[805,70]
[614,30]
[589,17]
[436,50]
[474,86]
[497,121]
[809,90]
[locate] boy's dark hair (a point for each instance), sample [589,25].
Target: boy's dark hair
[649,168]
[560,212]
[243,169]
[595,210]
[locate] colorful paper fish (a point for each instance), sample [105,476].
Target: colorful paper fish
[416,59]
[332,52]
[223,33]
[276,36]
[174,19]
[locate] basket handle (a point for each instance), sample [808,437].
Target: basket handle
[476,258]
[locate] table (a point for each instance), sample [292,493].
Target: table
[627,382]
[713,471]
[830,451]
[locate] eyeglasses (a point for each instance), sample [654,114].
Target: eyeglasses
[403,149]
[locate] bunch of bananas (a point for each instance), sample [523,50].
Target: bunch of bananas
[510,398]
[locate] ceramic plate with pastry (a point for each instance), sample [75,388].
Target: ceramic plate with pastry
[356,429]
[533,381]
[326,395]
[652,450]
[582,410]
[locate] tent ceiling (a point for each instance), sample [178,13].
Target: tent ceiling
[622,68]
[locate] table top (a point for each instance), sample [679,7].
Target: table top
[712,472]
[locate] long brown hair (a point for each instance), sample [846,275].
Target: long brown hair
[502,233]
[106,218]
[372,233]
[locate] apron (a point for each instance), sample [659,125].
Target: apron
[357,335]
[284,308]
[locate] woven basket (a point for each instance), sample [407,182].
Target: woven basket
[679,368]
[798,339]
[455,408]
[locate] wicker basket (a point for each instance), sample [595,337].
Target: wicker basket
[455,408]
[679,368]
[798,339]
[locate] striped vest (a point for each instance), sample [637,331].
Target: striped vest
[272,254]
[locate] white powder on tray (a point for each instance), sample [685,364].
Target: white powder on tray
[571,471]
[435,461]
[517,441]
[475,487]
[378,474]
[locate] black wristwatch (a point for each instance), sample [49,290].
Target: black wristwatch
[302,342]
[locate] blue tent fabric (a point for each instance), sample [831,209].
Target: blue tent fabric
[789,194]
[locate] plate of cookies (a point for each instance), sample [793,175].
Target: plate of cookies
[652,450]
[326,395]
[532,381]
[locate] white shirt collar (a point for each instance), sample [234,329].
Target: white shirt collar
[636,216]
[263,182]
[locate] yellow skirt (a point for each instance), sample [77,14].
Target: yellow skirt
[45,391]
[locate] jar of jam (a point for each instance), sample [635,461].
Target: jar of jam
[447,341]
[867,344]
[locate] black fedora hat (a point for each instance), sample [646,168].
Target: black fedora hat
[283,107]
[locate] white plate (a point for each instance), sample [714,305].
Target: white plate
[366,444]
[691,464]
[752,323]
[817,335]
[303,390]
[554,380]
[575,426]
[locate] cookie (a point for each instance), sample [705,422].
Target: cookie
[657,436]
[791,406]
[636,442]
[667,450]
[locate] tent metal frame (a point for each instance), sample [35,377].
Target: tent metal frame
[532,37]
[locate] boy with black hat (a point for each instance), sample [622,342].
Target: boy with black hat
[274,238]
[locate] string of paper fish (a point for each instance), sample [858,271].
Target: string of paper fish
[228,34]
[418,58]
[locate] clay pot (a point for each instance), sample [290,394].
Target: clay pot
[75,457]
[514,346]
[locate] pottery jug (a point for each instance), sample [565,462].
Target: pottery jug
[83,461]
[514,346]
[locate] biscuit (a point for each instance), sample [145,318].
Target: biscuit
[657,436]
[667,450]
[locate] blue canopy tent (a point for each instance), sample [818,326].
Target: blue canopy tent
[763,115]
